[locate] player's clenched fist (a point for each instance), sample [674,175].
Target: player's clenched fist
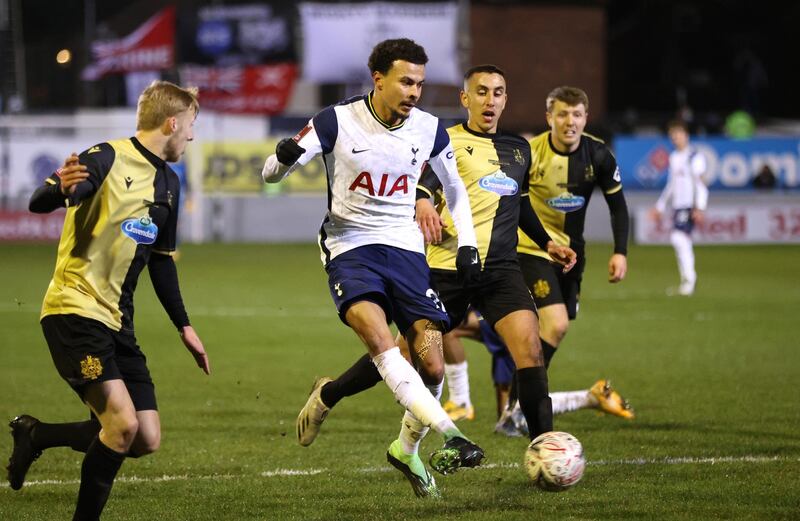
[288,151]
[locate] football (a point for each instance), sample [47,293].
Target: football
[554,461]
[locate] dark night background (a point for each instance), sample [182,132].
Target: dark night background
[718,55]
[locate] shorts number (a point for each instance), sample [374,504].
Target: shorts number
[435,298]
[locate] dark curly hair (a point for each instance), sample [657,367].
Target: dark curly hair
[386,52]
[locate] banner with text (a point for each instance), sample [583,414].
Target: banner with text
[26,226]
[729,224]
[150,47]
[732,164]
[236,167]
[338,38]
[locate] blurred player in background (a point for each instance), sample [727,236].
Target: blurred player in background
[374,148]
[122,214]
[687,195]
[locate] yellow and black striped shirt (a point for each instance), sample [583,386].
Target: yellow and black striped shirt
[127,208]
[494,168]
[561,186]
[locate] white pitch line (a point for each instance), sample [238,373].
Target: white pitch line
[291,472]
[313,472]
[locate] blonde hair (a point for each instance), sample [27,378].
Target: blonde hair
[162,100]
[572,96]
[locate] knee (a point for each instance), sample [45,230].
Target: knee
[555,331]
[560,329]
[122,431]
[145,445]
[432,373]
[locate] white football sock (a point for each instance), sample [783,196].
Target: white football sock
[684,252]
[407,387]
[567,401]
[458,383]
[411,429]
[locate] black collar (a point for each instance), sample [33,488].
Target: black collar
[151,157]
[479,134]
[557,151]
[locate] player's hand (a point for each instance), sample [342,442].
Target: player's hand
[195,347]
[563,255]
[617,267]
[468,266]
[429,221]
[288,151]
[698,216]
[71,174]
[654,214]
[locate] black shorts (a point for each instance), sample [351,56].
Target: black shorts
[86,351]
[549,285]
[501,292]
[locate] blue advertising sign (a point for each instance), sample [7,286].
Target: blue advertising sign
[732,164]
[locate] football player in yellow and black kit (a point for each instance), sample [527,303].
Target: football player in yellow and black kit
[566,167]
[494,167]
[122,202]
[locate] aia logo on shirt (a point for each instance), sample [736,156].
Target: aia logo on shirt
[380,186]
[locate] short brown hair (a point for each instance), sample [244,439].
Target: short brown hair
[677,123]
[572,96]
[162,100]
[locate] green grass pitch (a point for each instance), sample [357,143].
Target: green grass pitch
[713,378]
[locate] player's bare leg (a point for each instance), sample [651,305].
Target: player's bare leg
[114,409]
[369,322]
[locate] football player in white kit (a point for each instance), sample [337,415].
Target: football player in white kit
[687,195]
[374,148]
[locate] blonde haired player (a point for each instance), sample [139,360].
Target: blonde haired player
[122,213]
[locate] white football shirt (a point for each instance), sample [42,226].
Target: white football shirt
[685,187]
[372,174]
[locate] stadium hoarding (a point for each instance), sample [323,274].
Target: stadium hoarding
[338,38]
[26,226]
[235,167]
[32,159]
[732,164]
[727,223]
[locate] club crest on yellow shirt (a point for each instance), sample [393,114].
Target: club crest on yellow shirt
[91,367]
